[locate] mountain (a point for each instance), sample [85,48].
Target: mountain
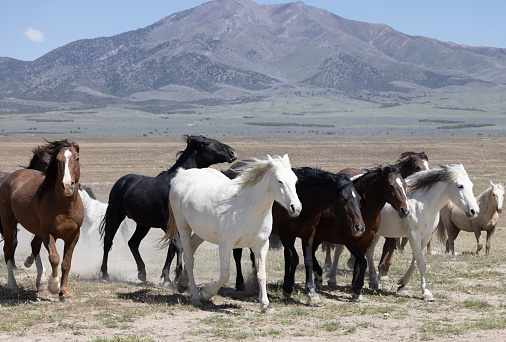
[231,50]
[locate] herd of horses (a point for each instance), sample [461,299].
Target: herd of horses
[240,208]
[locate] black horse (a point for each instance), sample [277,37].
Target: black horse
[318,191]
[146,201]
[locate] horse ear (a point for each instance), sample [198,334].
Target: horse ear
[269,158]
[492,184]
[285,158]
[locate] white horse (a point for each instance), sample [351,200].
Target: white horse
[452,220]
[233,213]
[428,192]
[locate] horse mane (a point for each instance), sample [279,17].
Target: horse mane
[425,180]
[255,169]
[316,176]
[371,173]
[52,148]
[192,142]
[405,157]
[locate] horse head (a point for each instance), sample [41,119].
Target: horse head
[411,162]
[498,195]
[68,170]
[211,151]
[347,205]
[283,182]
[461,190]
[395,190]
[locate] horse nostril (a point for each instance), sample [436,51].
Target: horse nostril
[472,212]
[292,207]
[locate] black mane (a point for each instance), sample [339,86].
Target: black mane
[309,175]
[192,142]
[405,158]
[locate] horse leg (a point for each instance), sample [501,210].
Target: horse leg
[317,270]
[291,262]
[328,254]
[14,246]
[489,240]
[260,252]
[112,220]
[239,280]
[386,258]
[36,244]
[452,231]
[307,245]
[479,241]
[224,250]
[174,249]
[53,285]
[68,250]
[358,272]
[134,242]
[333,269]
[8,227]
[373,276]
[186,242]
[417,245]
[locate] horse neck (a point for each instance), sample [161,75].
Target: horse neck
[369,192]
[256,196]
[434,198]
[487,208]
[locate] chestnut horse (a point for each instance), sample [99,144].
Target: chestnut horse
[47,205]
[376,187]
[408,163]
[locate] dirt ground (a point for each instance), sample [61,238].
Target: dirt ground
[469,289]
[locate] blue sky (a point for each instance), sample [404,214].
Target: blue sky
[31,28]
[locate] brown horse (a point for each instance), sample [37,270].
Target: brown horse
[408,163]
[39,161]
[47,205]
[376,187]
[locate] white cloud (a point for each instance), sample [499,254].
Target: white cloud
[34,35]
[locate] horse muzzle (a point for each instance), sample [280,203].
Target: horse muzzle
[403,212]
[294,210]
[471,213]
[358,230]
[499,210]
[68,189]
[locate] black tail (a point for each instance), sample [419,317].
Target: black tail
[103,224]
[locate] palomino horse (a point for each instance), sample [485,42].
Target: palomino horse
[317,190]
[376,187]
[428,192]
[452,220]
[408,163]
[146,201]
[232,213]
[49,207]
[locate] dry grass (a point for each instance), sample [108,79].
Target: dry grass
[469,290]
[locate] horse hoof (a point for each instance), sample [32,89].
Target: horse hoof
[373,285]
[267,310]
[286,294]
[53,285]
[29,261]
[428,297]
[196,302]
[313,299]
[383,277]
[240,288]
[204,295]
[401,291]
[332,285]
[357,297]
[181,287]
[142,276]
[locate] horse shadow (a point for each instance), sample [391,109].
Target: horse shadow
[20,297]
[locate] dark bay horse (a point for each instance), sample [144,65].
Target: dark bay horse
[146,201]
[318,191]
[376,187]
[408,163]
[47,205]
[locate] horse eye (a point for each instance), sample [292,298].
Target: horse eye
[77,159]
[418,168]
[461,187]
[280,182]
[344,200]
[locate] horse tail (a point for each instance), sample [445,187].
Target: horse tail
[441,232]
[103,223]
[171,232]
